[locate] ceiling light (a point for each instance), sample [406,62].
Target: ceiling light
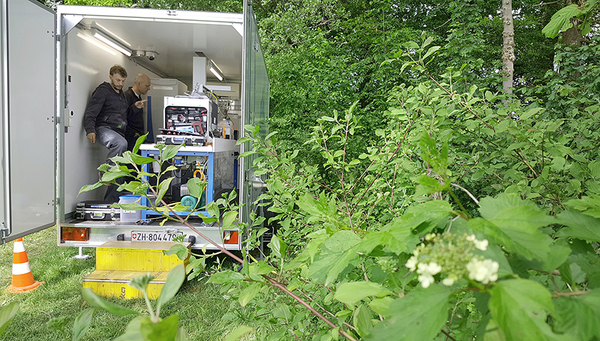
[103,37]
[214,69]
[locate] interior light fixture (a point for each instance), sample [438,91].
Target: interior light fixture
[103,37]
[96,43]
[214,69]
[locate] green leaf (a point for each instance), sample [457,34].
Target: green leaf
[82,323]
[97,302]
[514,223]
[131,206]
[196,187]
[133,331]
[141,160]
[226,276]
[163,188]
[277,246]
[430,51]
[527,114]
[174,281]
[493,333]
[238,333]
[362,320]
[141,282]
[7,313]
[336,254]
[92,187]
[381,305]
[520,308]
[579,315]
[169,152]
[421,313]
[531,245]
[229,218]
[138,143]
[421,217]
[248,153]
[579,226]
[411,45]
[181,251]
[426,43]
[560,21]
[243,140]
[589,205]
[249,293]
[585,267]
[135,187]
[353,292]
[160,331]
[110,176]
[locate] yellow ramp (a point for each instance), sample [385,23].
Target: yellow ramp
[117,262]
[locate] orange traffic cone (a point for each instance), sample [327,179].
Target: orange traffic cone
[22,278]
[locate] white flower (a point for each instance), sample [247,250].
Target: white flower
[431,268]
[481,244]
[426,272]
[426,280]
[471,237]
[485,271]
[411,263]
[448,281]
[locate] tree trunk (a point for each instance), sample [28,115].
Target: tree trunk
[508,46]
[573,35]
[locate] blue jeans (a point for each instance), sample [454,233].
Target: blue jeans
[116,145]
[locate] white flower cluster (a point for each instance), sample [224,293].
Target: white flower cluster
[426,272]
[479,244]
[452,254]
[483,271]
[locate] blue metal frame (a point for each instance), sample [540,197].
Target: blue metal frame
[209,187]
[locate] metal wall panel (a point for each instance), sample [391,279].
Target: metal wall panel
[87,66]
[31,103]
[255,108]
[3,117]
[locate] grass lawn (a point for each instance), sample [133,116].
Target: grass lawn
[200,306]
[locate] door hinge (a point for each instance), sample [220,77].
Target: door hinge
[4,233]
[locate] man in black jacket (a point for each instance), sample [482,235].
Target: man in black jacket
[135,114]
[105,119]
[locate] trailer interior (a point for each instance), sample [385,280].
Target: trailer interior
[51,62]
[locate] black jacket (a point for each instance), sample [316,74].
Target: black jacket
[135,117]
[106,108]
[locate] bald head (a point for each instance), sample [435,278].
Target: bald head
[141,84]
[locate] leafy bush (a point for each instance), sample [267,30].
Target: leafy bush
[473,216]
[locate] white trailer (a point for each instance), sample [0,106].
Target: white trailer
[51,63]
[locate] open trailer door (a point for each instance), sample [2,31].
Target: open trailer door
[27,137]
[255,109]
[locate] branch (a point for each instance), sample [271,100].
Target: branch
[464,105]
[468,193]
[313,310]
[569,293]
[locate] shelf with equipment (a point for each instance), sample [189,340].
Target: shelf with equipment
[214,164]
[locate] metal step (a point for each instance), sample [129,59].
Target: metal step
[117,262]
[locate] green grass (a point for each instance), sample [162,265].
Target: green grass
[200,306]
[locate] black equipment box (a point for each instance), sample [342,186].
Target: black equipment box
[96,210]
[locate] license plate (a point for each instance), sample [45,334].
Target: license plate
[153,236]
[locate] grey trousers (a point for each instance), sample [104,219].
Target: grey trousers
[116,145]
